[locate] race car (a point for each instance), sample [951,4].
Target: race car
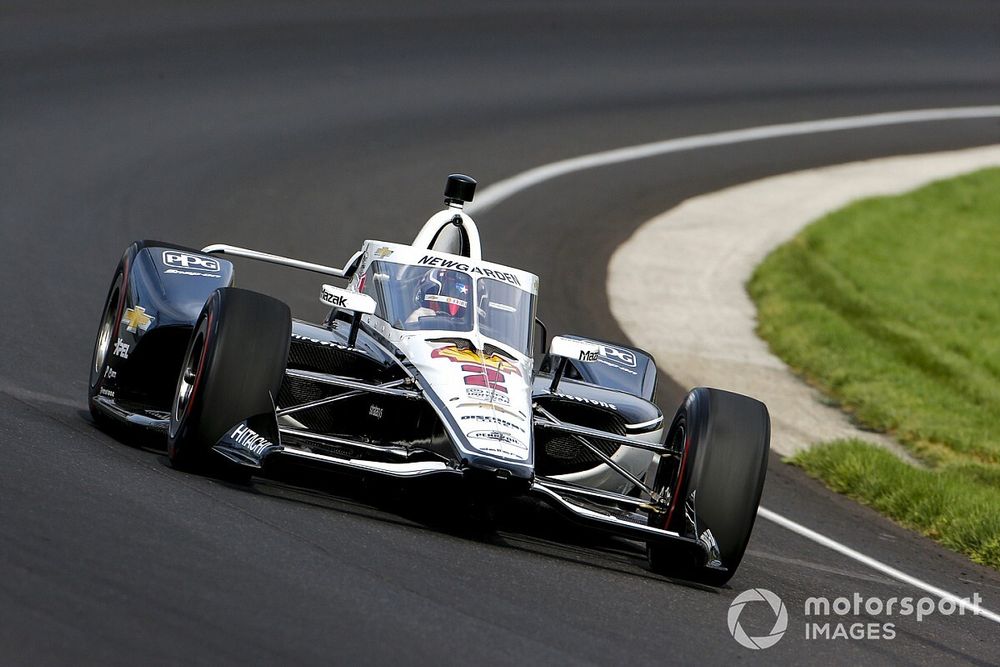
[425,366]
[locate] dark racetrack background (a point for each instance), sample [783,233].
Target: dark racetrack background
[304,128]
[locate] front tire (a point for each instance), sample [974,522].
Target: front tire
[233,367]
[107,331]
[725,439]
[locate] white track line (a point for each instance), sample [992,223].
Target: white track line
[509,187]
[825,541]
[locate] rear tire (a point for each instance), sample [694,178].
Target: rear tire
[725,438]
[233,367]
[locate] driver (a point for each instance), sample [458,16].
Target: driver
[441,293]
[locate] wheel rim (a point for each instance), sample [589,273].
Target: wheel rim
[664,483]
[680,434]
[187,381]
[677,444]
[104,333]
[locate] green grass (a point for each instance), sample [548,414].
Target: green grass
[892,307]
[943,504]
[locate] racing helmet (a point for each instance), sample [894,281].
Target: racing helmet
[445,292]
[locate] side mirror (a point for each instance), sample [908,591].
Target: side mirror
[569,348]
[578,350]
[347,300]
[359,304]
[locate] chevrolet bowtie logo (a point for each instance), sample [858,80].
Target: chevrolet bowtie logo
[383,252]
[136,318]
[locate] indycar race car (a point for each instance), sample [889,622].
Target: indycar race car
[425,367]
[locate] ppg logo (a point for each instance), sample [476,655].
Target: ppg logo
[623,357]
[183,260]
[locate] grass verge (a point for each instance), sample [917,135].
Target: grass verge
[892,307]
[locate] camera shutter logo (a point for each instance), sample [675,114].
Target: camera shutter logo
[780,621]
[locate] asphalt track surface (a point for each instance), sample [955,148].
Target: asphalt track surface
[307,128]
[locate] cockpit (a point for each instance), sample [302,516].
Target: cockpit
[424,297]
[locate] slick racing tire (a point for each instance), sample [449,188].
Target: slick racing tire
[233,368]
[107,331]
[725,439]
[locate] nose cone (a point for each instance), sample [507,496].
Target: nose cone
[486,398]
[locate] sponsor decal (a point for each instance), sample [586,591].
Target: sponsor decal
[110,373]
[136,319]
[467,356]
[617,367]
[317,341]
[250,440]
[487,378]
[184,260]
[481,394]
[107,392]
[338,300]
[494,420]
[498,449]
[449,299]
[501,449]
[624,357]
[375,411]
[121,349]
[498,436]
[383,252]
[443,263]
[488,373]
[180,272]
[588,401]
[573,348]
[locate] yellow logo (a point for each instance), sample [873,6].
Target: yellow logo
[466,356]
[136,318]
[383,252]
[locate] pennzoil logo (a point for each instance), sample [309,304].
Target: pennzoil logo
[498,436]
[482,371]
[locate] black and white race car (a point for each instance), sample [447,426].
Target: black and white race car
[425,367]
